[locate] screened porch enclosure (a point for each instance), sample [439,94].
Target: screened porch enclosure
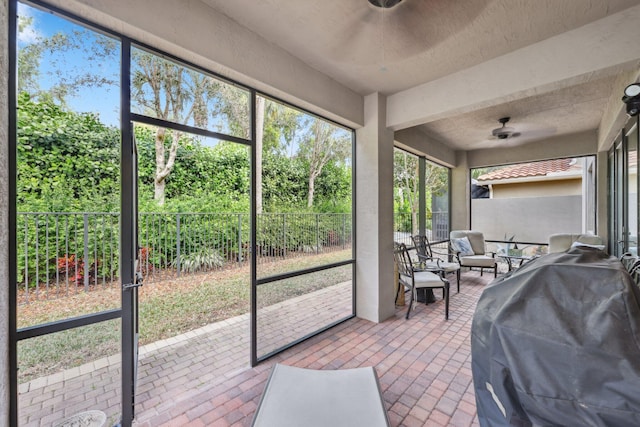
[193,195]
[187,204]
[421,198]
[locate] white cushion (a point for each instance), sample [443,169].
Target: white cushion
[562,242]
[578,244]
[306,397]
[478,261]
[423,279]
[462,245]
[446,266]
[590,239]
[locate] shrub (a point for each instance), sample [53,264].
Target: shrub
[203,259]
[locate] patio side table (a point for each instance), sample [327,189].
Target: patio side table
[511,260]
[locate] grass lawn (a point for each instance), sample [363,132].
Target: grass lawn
[167,309]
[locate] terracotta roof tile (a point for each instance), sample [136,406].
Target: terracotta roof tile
[523,170]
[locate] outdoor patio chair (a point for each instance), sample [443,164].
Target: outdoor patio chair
[634,272]
[308,397]
[429,261]
[469,248]
[413,279]
[561,242]
[630,261]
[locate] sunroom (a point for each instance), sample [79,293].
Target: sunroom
[247,152]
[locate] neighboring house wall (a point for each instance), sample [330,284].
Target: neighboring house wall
[534,200]
[563,187]
[530,219]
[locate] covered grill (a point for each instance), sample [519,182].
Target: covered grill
[557,342]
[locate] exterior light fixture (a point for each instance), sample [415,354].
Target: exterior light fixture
[632,99]
[632,90]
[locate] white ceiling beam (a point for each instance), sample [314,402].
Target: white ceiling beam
[602,47]
[615,113]
[573,145]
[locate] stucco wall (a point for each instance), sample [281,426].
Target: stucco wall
[460,193]
[418,142]
[530,219]
[574,145]
[374,226]
[565,187]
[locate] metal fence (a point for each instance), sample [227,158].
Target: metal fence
[65,253]
[61,253]
[404,225]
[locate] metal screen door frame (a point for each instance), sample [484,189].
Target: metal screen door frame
[129,246]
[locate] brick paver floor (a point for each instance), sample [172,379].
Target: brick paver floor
[202,378]
[180,363]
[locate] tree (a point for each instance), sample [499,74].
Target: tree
[66,161]
[260,107]
[171,92]
[29,57]
[159,89]
[283,182]
[321,143]
[275,123]
[405,173]
[54,69]
[406,183]
[45,59]
[333,188]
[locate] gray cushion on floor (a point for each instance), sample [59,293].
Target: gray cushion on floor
[306,397]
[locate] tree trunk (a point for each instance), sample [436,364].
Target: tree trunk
[312,183]
[164,167]
[259,136]
[158,193]
[158,181]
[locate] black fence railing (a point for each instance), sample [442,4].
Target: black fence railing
[405,225]
[65,253]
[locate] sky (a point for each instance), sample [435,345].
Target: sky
[105,101]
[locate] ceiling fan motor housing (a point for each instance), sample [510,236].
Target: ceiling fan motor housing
[502,132]
[385,4]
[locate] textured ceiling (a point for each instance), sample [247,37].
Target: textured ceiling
[573,109]
[419,41]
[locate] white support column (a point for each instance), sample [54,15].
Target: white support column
[4,215]
[602,196]
[374,214]
[586,194]
[460,193]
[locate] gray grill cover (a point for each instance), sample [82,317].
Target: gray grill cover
[557,343]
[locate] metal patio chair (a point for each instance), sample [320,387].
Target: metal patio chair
[413,279]
[477,255]
[430,262]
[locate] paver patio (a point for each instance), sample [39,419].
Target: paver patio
[202,378]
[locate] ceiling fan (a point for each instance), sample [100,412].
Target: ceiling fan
[387,4]
[504,132]
[375,31]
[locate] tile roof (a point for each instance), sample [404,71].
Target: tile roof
[523,170]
